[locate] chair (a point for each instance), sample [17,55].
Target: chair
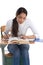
[7,57]
[2,30]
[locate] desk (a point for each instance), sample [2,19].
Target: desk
[3,43]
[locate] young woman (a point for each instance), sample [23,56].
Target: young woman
[18,27]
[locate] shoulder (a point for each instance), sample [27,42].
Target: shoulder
[28,21]
[10,21]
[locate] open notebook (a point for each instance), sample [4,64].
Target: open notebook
[19,39]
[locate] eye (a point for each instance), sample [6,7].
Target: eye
[19,17]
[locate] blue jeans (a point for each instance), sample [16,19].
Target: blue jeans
[17,51]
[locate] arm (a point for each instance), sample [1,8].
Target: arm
[28,37]
[32,27]
[35,32]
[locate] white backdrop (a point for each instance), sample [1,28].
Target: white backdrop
[35,13]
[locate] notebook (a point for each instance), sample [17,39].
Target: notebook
[19,39]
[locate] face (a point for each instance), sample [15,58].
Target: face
[21,18]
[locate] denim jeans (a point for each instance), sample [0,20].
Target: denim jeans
[17,51]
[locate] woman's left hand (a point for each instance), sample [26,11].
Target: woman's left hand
[23,37]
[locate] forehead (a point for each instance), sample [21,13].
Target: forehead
[22,15]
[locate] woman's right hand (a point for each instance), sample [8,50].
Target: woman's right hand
[6,36]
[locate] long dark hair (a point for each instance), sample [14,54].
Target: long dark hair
[15,23]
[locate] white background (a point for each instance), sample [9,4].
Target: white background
[35,13]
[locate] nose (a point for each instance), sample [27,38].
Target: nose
[22,20]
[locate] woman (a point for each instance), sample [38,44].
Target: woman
[19,26]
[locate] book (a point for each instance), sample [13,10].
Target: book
[11,39]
